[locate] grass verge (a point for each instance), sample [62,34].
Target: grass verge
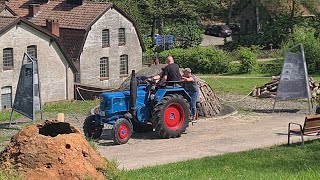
[111,171]
[279,162]
[242,86]
[66,107]
[8,176]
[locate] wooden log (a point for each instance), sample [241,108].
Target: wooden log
[209,103]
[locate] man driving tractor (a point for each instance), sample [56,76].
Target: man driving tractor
[169,73]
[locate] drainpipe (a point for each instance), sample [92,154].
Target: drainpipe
[67,83]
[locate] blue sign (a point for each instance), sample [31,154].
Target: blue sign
[164,40]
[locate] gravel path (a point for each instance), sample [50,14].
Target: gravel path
[253,127]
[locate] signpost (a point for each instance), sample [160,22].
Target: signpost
[294,82]
[27,99]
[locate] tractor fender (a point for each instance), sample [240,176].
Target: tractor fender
[163,92]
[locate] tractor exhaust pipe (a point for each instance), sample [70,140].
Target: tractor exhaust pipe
[133,94]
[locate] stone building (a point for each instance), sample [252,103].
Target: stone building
[56,71]
[101,40]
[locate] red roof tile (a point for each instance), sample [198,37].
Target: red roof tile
[70,15]
[72,41]
[6,21]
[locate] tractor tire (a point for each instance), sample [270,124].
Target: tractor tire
[90,129]
[171,116]
[122,131]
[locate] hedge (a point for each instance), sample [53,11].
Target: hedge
[204,60]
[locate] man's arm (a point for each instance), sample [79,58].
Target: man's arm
[164,79]
[189,79]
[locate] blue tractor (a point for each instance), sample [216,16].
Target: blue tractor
[145,106]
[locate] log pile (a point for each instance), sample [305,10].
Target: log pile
[208,103]
[314,86]
[269,90]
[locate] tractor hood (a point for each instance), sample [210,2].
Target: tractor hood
[140,92]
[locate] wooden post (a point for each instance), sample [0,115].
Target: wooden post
[60,117]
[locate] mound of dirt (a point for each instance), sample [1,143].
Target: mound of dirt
[52,150]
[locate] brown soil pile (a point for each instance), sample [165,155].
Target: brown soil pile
[53,150]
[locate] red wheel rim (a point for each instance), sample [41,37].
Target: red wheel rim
[123,132]
[174,116]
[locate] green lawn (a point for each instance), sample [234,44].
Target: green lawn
[74,107]
[235,85]
[279,162]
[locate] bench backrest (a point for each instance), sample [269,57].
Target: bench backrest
[312,124]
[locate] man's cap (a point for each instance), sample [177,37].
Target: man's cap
[187,69]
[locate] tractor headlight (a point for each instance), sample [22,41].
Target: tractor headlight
[101,99]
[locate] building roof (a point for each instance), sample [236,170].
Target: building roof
[74,20]
[72,41]
[5,7]
[7,22]
[70,16]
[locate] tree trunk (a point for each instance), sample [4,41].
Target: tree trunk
[229,12]
[160,25]
[293,8]
[153,29]
[257,19]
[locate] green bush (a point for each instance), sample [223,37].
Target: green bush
[248,60]
[199,59]
[271,67]
[234,68]
[311,44]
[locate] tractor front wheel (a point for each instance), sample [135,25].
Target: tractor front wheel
[90,129]
[171,116]
[122,131]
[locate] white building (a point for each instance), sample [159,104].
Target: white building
[56,72]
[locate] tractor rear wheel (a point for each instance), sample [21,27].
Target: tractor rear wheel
[122,131]
[90,129]
[171,116]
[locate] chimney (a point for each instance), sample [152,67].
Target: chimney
[76,2]
[33,10]
[53,26]
[41,1]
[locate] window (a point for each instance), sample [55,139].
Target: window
[105,38]
[32,51]
[104,68]
[122,36]
[7,58]
[6,97]
[124,65]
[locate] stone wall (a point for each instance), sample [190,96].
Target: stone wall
[53,67]
[93,51]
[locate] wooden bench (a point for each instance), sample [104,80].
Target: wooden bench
[311,126]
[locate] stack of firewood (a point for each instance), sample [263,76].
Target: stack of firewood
[314,86]
[208,103]
[269,90]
